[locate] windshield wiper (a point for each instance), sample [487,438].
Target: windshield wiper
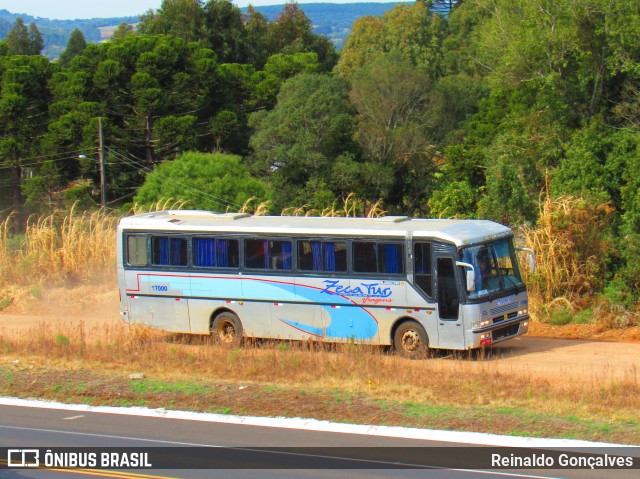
[515,285]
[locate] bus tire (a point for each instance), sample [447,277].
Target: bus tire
[226,328]
[410,340]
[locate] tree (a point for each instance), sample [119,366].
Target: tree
[180,18]
[35,39]
[24,101]
[297,143]
[123,30]
[390,96]
[292,33]
[155,95]
[75,46]
[206,181]
[19,40]
[290,30]
[413,31]
[225,31]
[257,27]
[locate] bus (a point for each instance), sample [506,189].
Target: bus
[411,284]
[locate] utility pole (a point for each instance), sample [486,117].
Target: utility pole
[148,142]
[103,189]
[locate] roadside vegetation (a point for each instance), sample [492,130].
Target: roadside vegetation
[343,383]
[69,247]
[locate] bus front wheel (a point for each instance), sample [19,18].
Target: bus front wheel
[411,341]
[226,328]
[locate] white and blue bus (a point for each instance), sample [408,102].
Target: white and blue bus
[412,284]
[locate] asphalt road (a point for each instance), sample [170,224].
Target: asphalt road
[28,427]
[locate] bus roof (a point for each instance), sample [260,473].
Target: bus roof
[459,232]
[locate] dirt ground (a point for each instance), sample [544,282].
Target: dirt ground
[571,351]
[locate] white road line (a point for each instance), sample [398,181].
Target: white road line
[475,438]
[72,418]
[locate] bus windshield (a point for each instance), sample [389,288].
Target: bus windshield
[495,266]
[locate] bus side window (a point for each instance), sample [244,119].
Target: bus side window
[422,267]
[254,253]
[364,257]
[137,250]
[322,256]
[215,253]
[391,258]
[268,254]
[280,254]
[169,251]
[372,257]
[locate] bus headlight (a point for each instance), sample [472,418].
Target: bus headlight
[522,312]
[480,324]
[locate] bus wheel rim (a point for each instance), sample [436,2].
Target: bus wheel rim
[226,331]
[411,340]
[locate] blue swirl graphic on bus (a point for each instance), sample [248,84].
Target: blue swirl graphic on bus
[346,319]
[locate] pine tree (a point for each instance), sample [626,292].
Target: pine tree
[17,40]
[75,46]
[36,43]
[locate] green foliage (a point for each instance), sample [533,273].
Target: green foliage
[411,31]
[123,30]
[452,199]
[24,101]
[80,196]
[206,181]
[301,138]
[390,97]
[22,40]
[225,31]
[506,199]
[75,46]
[179,18]
[176,133]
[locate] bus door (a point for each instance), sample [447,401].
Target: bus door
[423,279]
[450,329]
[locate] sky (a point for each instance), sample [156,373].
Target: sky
[72,9]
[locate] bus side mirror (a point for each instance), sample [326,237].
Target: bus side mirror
[470,274]
[532,258]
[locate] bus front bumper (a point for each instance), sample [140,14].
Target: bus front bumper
[498,332]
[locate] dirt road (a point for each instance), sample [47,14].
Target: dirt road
[529,355]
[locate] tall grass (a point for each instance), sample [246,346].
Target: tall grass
[60,246]
[352,207]
[571,248]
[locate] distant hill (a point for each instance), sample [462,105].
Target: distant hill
[56,32]
[331,19]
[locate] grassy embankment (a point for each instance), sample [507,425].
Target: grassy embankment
[347,383]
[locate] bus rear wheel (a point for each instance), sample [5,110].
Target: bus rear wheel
[226,328]
[411,341]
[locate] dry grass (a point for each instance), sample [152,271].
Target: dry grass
[62,246]
[351,207]
[162,204]
[571,246]
[345,369]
